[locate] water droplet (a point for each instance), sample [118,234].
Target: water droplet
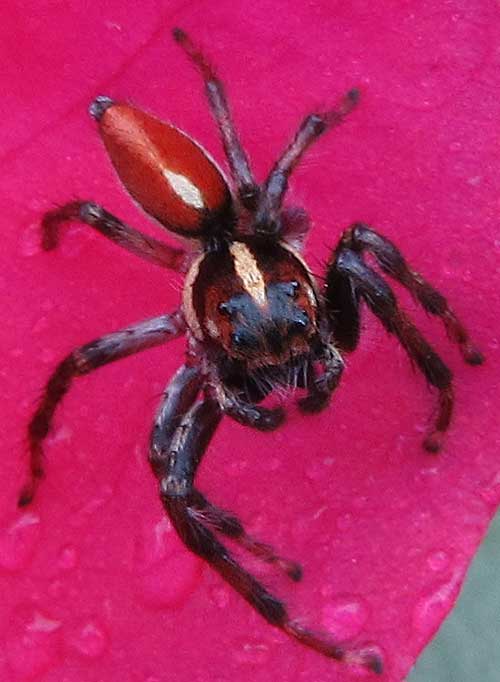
[251,653]
[475,180]
[48,356]
[491,492]
[170,583]
[32,645]
[152,545]
[272,464]
[438,560]
[220,597]
[30,240]
[166,571]
[18,541]
[61,434]
[67,558]
[345,616]
[432,607]
[103,496]
[344,521]
[315,471]
[89,640]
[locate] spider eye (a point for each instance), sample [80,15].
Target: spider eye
[291,288]
[225,309]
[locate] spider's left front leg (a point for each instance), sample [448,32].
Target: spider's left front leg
[321,386]
[350,277]
[175,463]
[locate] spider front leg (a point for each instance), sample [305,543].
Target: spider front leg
[177,400]
[112,228]
[361,238]
[268,222]
[175,466]
[247,188]
[84,360]
[248,414]
[321,386]
[349,272]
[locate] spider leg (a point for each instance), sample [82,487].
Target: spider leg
[360,238]
[321,386]
[247,188]
[381,300]
[267,219]
[246,413]
[177,400]
[132,240]
[190,516]
[84,360]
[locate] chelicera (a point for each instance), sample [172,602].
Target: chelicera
[254,316]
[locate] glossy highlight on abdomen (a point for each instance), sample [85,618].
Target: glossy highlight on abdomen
[167,173]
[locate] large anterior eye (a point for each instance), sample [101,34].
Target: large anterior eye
[226,309]
[290,289]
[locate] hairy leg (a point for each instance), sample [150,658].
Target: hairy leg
[82,361]
[132,240]
[267,219]
[191,514]
[321,386]
[248,414]
[246,186]
[179,397]
[381,300]
[362,238]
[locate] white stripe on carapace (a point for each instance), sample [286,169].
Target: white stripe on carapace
[184,188]
[248,271]
[311,291]
[187,298]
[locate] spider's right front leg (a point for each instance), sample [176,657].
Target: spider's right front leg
[175,459]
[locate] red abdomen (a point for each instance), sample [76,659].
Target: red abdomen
[167,173]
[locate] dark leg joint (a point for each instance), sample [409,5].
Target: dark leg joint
[260,418]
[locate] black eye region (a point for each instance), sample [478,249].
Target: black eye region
[284,309]
[288,289]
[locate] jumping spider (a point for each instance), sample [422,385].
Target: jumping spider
[254,316]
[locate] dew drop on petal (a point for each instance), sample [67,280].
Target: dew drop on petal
[344,521]
[220,597]
[438,560]
[30,240]
[92,506]
[68,558]
[491,492]
[251,653]
[32,646]
[433,606]
[166,572]
[18,541]
[89,640]
[345,616]
[170,582]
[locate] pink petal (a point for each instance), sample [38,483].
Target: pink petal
[384,531]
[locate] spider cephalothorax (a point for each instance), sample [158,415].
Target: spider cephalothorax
[254,316]
[254,301]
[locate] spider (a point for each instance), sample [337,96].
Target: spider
[254,315]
